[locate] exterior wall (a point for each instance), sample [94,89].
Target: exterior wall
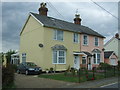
[90,47]
[112,46]
[107,60]
[30,39]
[115,57]
[67,42]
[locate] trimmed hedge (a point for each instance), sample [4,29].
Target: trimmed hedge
[7,76]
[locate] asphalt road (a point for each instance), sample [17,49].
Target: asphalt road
[112,85]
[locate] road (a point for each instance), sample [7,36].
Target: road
[111,85]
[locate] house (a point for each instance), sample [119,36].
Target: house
[110,58]
[113,45]
[15,59]
[50,42]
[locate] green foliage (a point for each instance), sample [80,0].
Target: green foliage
[73,71]
[104,65]
[8,55]
[7,76]
[51,69]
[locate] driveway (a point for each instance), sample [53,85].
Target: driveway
[32,81]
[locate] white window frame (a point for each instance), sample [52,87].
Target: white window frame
[74,38]
[95,41]
[55,35]
[23,56]
[96,54]
[87,40]
[59,56]
[85,59]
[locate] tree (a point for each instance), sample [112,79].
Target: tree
[8,55]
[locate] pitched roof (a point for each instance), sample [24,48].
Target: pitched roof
[107,54]
[60,24]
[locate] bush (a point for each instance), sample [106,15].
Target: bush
[105,65]
[51,69]
[7,76]
[14,67]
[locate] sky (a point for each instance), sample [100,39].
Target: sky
[14,15]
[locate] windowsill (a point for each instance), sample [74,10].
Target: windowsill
[58,40]
[59,63]
[76,42]
[85,45]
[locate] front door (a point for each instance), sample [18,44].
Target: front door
[76,62]
[89,64]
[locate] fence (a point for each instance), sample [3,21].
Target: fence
[95,73]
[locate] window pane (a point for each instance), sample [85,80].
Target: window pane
[61,53]
[54,56]
[83,60]
[55,34]
[85,41]
[61,60]
[59,35]
[75,38]
[94,58]
[98,58]
[96,41]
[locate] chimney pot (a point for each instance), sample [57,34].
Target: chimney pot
[117,35]
[77,19]
[43,10]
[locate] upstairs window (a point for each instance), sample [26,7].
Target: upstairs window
[85,40]
[58,35]
[96,41]
[75,38]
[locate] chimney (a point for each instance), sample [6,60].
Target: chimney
[77,19]
[117,35]
[43,10]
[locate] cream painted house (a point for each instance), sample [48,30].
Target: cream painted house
[113,45]
[55,43]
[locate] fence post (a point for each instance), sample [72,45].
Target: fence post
[93,72]
[79,74]
[105,71]
[114,70]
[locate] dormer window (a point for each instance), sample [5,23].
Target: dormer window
[58,35]
[96,41]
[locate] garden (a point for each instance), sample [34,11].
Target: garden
[82,75]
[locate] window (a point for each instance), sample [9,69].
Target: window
[96,58]
[59,57]
[85,40]
[83,60]
[75,38]
[96,41]
[23,57]
[58,35]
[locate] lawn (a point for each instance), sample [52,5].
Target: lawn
[71,78]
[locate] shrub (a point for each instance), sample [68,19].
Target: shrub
[51,69]
[7,76]
[105,65]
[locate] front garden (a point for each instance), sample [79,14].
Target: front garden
[82,75]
